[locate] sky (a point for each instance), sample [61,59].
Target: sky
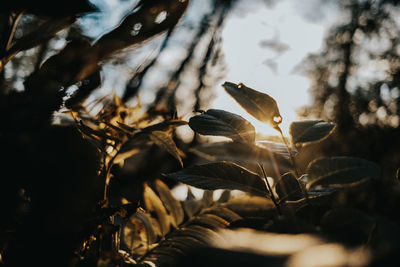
[266,57]
[282,34]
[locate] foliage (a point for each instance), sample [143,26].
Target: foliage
[82,185]
[367,34]
[303,201]
[167,228]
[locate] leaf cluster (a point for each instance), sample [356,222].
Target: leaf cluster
[303,201]
[168,229]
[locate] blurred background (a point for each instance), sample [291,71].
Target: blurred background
[308,55]
[336,60]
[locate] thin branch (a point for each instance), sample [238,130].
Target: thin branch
[269,188]
[292,159]
[13,28]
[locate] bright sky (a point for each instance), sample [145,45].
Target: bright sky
[252,57]
[262,45]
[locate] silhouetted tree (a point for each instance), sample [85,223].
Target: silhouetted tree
[355,79]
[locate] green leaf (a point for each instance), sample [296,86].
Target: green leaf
[340,170]
[288,187]
[222,123]
[310,130]
[154,205]
[221,175]
[260,105]
[173,206]
[165,141]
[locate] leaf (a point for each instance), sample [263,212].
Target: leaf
[208,197]
[340,170]
[75,62]
[140,232]
[222,123]
[165,141]
[196,232]
[223,212]
[51,9]
[201,233]
[259,105]
[40,35]
[252,206]
[154,204]
[310,130]
[277,148]
[173,206]
[210,221]
[242,153]
[221,175]
[141,24]
[225,196]
[192,206]
[86,87]
[164,126]
[288,187]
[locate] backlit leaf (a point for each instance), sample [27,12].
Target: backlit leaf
[198,230]
[153,204]
[225,196]
[260,105]
[340,170]
[165,141]
[223,212]
[251,206]
[40,35]
[173,206]
[221,175]
[192,207]
[222,123]
[277,148]
[140,232]
[140,25]
[242,153]
[164,126]
[288,187]
[210,221]
[208,197]
[310,130]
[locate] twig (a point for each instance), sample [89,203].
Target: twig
[292,159]
[269,188]
[289,150]
[13,28]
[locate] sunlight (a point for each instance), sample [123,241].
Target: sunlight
[267,243]
[266,58]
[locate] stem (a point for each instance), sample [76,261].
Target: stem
[269,188]
[13,28]
[303,189]
[289,150]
